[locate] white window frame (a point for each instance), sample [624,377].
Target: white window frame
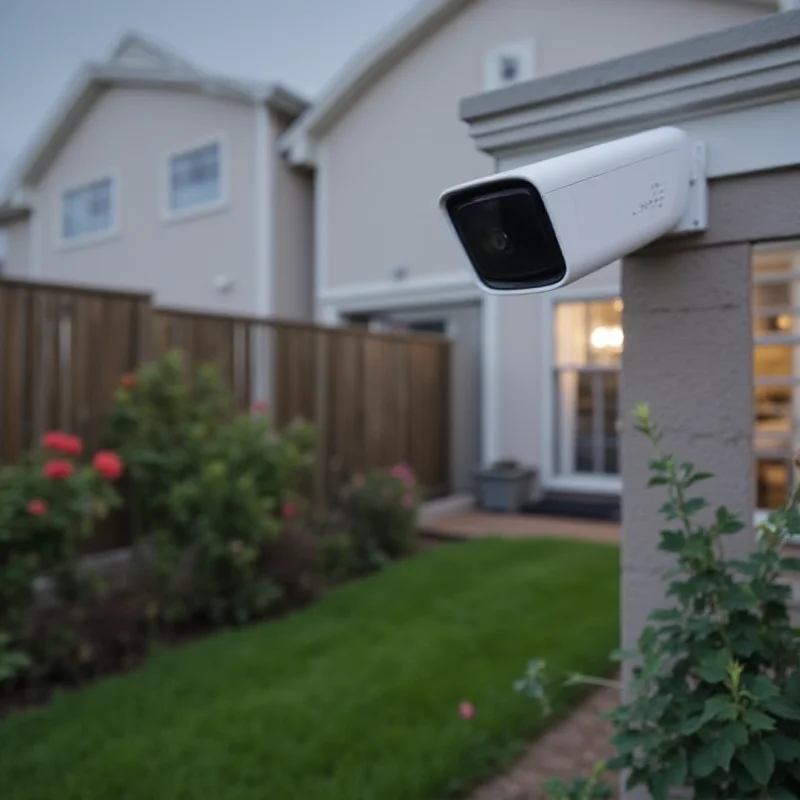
[221,203]
[764,278]
[96,237]
[589,484]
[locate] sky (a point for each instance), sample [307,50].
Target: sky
[300,43]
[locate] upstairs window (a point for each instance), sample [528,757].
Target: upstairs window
[195,178]
[87,210]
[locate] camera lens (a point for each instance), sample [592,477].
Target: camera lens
[507,234]
[497,241]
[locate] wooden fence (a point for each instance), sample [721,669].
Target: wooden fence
[374,398]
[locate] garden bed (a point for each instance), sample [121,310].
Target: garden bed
[356,696]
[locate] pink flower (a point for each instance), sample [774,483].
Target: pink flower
[37,508]
[404,474]
[289,511]
[466,710]
[108,465]
[128,381]
[63,443]
[58,470]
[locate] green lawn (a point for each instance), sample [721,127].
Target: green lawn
[353,699]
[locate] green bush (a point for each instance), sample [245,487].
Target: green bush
[377,522]
[49,503]
[211,489]
[715,693]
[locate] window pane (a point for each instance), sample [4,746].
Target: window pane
[195,177]
[609,422]
[776,359]
[87,209]
[772,483]
[588,332]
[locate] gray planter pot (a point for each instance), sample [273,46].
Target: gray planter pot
[504,489]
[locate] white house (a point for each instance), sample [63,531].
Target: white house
[385,138]
[152,174]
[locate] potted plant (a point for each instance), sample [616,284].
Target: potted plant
[505,486]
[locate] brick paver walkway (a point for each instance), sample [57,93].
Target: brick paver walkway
[474,524]
[568,750]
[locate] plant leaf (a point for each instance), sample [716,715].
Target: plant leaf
[714,668]
[785,748]
[736,734]
[759,760]
[782,708]
[758,721]
[716,755]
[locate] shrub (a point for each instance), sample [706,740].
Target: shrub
[716,684]
[212,489]
[378,515]
[49,503]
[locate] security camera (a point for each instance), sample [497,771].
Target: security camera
[548,224]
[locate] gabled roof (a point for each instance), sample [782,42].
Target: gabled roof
[141,62]
[374,61]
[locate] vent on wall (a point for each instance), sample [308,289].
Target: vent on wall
[509,63]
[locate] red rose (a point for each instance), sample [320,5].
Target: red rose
[289,511]
[58,470]
[36,508]
[128,381]
[108,464]
[64,443]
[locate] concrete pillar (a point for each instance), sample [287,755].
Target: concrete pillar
[689,354]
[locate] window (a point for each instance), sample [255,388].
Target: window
[509,63]
[588,349]
[87,210]
[776,364]
[195,178]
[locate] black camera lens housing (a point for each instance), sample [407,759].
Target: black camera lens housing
[507,234]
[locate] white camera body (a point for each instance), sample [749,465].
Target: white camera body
[548,224]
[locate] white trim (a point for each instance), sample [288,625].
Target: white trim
[321,225]
[264,198]
[35,243]
[549,479]
[63,244]
[222,203]
[424,290]
[490,390]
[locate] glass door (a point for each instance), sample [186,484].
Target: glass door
[588,348]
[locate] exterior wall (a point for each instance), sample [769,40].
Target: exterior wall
[178,259]
[384,163]
[17,249]
[292,255]
[522,380]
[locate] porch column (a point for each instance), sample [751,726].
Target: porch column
[689,354]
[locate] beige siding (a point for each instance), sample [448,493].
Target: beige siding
[388,158]
[17,250]
[129,133]
[292,234]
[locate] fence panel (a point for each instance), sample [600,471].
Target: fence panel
[62,352]
[374,399]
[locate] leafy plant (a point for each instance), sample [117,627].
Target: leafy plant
[49,503]
[378,521]
[591,788]
[715,692]
[211,488]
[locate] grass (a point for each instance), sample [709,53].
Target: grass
[353,699]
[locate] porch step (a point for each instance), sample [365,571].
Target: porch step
[577,505]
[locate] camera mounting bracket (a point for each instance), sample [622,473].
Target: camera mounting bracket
[695,217]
